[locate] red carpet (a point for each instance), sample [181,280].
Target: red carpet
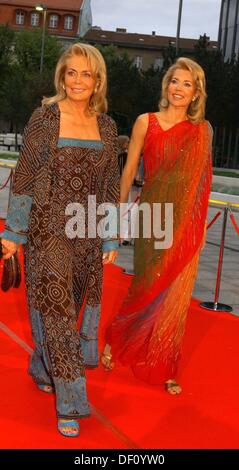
[126,413]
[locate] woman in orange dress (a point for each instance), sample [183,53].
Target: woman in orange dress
[147,332]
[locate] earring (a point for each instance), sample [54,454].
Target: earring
[96,89]
[63,86]
[164,102]
[194,98]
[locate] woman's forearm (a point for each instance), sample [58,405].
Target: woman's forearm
[125,185]
[135,149]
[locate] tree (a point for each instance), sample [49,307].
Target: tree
[169,56]
[7,36]
[23,87]
[216,72]
[124,81]
[28,50]
[150,90]
[13,99]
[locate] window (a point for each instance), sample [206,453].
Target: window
[53,22]
[20,17]
[35,19]
[68,23]
[158,63]
[138,62]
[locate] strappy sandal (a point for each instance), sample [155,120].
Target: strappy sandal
[68,424]
[172,387]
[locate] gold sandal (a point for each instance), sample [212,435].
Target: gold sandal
[172,387]
[106,361]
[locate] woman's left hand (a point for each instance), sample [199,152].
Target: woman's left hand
[109,256]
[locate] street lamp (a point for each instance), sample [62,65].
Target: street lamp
[42,8]
[179,24]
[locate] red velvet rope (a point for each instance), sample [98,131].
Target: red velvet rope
[234,223]
[5,184]
[214,219]
[132,205]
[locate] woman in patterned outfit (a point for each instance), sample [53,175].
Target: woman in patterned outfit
[69,155]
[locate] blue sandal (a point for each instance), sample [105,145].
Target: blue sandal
[68,424]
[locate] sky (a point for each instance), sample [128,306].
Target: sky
[145,16]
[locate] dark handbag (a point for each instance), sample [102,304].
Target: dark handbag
[11,276]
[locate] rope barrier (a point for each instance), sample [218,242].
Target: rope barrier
[214,219]
[216,306]
[132,205]
[233,220]
[9,178]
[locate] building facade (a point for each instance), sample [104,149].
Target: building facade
[228,37]
[146,50]
[64,18]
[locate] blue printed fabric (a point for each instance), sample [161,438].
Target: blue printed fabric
[17,221]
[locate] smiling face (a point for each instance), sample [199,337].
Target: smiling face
[181,89]
[78,79]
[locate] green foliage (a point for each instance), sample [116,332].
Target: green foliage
[222,85]
[28,50]
[124,82]
[151,90]
[22,87]
[9,155]
[13,96]
[131,92]
[7,36]
[169,56]
[230,174]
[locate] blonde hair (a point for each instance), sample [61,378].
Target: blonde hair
[196,109]
[98,102]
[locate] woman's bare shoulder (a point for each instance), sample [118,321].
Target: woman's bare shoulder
[141,123]
[143,119]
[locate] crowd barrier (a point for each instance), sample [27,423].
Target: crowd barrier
[216,306]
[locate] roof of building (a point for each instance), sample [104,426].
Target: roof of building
[147,41]
[52,4]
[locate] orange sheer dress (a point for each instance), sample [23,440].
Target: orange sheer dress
[146,334]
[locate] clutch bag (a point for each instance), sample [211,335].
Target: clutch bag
[11,276]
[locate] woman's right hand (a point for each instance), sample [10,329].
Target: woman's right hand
[9,248]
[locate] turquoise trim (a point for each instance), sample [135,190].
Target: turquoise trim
[83,143]
[110,245]
[89,335]
[18,218]
[13,237]
[71,398]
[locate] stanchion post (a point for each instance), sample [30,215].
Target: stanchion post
[221,252]
[216,305]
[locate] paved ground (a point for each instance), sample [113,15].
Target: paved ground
[206,280]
